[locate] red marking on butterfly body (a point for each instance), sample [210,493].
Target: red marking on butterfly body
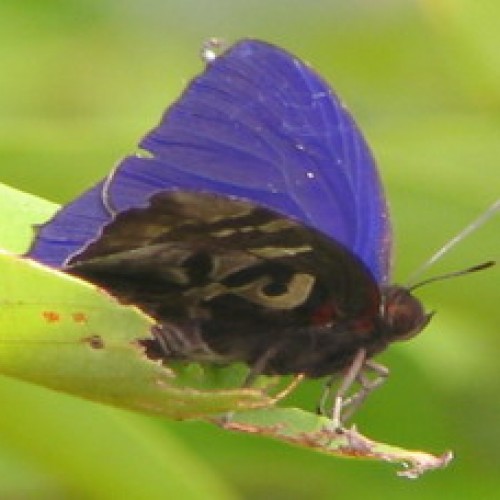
[325,314]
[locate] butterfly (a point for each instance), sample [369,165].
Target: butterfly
[252,226]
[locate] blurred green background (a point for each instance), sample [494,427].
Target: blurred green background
[82,81]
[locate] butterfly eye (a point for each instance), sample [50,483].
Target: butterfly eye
[403,314]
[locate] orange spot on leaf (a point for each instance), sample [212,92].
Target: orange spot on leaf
[79,317]
[51,316]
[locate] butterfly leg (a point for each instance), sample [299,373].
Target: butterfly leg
[344,407]
[181,341]
[349,378]
[255,371]
[296,380]
[368,385]
[259,366]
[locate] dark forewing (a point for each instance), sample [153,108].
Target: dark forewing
[257,124]
[250,279]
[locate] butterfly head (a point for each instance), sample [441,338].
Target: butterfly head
[403,314]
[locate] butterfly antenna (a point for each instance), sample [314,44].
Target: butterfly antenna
[453,274]
[473,226]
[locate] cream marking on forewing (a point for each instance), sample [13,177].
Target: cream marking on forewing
[273,226]
[275,252]
[298,290]
[277,225]
[223,265]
